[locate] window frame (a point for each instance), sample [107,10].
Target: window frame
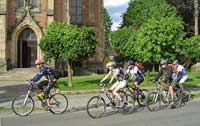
[76,12]
[34,10]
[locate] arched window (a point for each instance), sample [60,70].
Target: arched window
[76,11]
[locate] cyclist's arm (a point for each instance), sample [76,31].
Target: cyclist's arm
[113,77]
[159,74]
[39,75]
[106,77]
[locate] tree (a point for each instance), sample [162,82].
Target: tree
[107,22]
[139,11]
[119,38]
[68,43]
[185,9]
[158,39]
[190,51]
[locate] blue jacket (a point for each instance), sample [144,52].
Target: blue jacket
[44,71]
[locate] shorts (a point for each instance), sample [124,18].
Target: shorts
[139,80]
[121,84]
[183,79]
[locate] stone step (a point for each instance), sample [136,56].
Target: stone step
[18,74]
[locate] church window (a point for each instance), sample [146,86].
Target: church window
[76,11]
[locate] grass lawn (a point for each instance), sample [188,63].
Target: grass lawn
[91,82]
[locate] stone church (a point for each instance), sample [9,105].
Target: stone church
[23,23]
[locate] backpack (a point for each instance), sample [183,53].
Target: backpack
[123,74]
[141,67]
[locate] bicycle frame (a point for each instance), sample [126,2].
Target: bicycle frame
[165,96]
[104,91]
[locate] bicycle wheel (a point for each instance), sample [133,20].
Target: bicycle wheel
[153,101]
[142,97]
[186,95]
[129,104]
[22,107]
[96,107]
[59,103]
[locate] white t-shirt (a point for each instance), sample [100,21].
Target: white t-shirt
[135,71]
[182,70]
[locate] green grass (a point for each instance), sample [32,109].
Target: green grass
[80,82]
[196,95]
[91,82]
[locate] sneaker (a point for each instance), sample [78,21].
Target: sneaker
[173,105]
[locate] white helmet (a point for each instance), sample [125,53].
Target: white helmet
[110,64]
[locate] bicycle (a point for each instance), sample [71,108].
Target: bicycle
[23,105]
[99,105]
[154,98]
[140,95]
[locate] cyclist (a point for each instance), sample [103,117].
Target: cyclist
[120,75]
[180,75]
[44,72]
[168,77]
[136,74]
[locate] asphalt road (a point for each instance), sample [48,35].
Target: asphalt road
[188,115]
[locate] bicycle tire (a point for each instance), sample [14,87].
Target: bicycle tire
[153,98]
[188,96]
[142,97]
[19,100]
[98,102]
[59,103]
[129,104]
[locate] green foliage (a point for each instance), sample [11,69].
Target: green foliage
[158,39]
[191,48]
[139,11]
[185,9]
[130,46]
[68,42]
[119,38]
[107,21]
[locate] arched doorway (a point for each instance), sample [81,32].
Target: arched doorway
[27,48]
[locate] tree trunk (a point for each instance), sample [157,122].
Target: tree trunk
[196,14]
[69,71]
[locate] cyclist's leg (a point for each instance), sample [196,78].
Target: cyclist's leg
[47,90]
[41,84]
[121,85]
[138,82]
[171,91]
[164,84]
[183,79]
[114,86]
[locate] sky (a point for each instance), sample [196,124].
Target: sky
[116,8]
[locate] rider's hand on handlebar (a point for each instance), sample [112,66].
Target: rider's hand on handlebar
[30,81]
[101,83]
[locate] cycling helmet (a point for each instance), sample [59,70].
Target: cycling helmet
[130,62]
[38,62]
[110,64]
[175,62]
[163,62]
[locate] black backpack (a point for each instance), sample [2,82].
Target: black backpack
[123,74]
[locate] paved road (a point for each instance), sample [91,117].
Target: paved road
[185,116]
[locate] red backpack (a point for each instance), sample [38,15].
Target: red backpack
[141,67]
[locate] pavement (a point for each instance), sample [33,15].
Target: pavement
[10,89]
[187,115]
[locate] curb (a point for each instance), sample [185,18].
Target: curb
[80,92]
